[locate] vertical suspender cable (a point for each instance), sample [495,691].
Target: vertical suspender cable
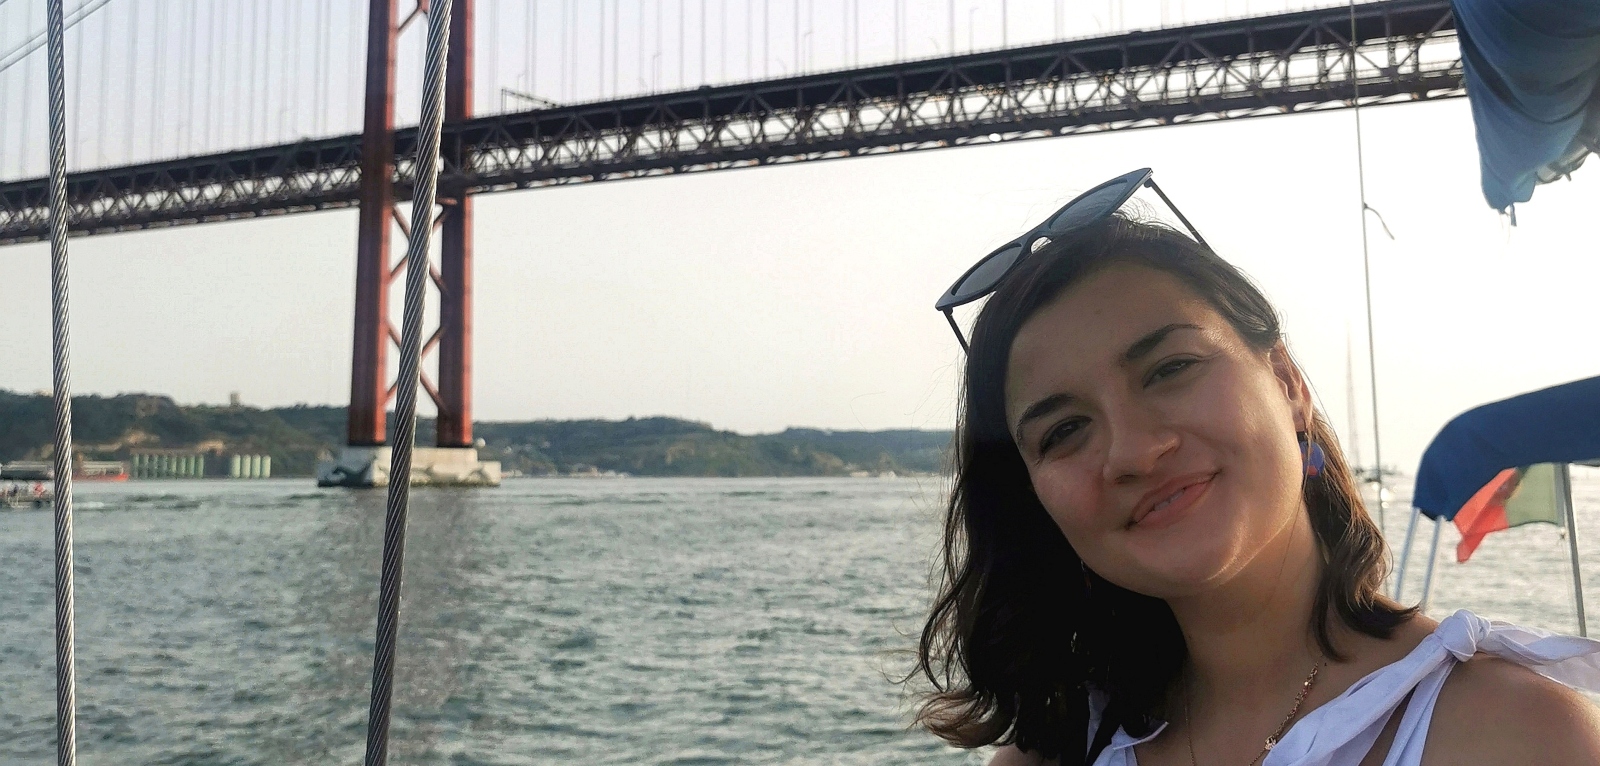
[77,87]
[158,72]
[66,675]
[616,42]
[100,106]
[1366,267]
[394,525]
[133,73]
[27,104]
[292,87]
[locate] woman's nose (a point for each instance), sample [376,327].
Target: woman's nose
[1138,441]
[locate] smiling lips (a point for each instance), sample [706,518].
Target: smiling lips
[1166,504]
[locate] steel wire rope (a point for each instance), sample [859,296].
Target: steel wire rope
[494,49]
[100,89]
[324,43]
[810,36]
[352,44]
[186,76]
[203,92]
[267,133]
[77,91]
[616,47]
[158,72]
[569,40]
[255,23]
[530,38]
[226,97]
[133,72]
[37,40]
[296,18]
[61,394]
[5,101]
[394,525]
[1366,265]
[27,103]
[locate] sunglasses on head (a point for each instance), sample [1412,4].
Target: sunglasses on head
[1087,209]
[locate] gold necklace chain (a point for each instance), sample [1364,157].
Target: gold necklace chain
[1272,741]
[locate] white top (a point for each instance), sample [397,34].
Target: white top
[1341,732]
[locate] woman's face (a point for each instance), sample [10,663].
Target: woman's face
[1161,444]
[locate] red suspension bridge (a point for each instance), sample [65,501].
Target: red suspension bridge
[218,86]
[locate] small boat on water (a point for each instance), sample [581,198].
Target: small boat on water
[18,496]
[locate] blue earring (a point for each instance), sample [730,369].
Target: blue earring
[1311,455]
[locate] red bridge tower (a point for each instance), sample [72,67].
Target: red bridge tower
[365,461]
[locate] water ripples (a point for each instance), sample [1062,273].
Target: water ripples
[603,621]
[638,621]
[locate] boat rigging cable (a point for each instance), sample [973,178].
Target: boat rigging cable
[394,525]
[66,680]
[1366,263]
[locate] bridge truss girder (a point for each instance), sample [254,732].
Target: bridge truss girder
[1402,50]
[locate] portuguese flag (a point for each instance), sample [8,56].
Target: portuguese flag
[1514,497]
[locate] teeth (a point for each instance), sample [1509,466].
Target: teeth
[1167,502]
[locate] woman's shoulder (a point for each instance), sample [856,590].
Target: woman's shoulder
[1011,755]
[1491,711]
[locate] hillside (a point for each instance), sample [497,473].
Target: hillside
[111,428]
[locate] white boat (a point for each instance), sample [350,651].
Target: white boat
[22,497]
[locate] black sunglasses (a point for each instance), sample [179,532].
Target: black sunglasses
[1086,209]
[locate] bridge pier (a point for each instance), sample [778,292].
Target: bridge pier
[365,460]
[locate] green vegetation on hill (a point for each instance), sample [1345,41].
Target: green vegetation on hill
[112,428]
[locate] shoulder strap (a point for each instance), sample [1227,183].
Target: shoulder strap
[1102,736]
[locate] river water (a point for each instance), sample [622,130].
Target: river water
[629,621]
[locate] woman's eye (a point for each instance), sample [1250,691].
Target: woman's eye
[1059,433]
[1171,368]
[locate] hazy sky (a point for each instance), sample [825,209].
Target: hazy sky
[802,295]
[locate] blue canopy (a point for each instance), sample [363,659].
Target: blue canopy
[1531,71]
[1560,424]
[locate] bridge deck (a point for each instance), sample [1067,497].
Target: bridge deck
[1401,50]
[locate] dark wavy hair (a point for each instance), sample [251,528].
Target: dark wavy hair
[1020,631]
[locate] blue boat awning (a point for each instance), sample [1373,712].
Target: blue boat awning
[1531,72]
[1560,424]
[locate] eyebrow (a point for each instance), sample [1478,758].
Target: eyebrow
[1148,343]
[1135,352]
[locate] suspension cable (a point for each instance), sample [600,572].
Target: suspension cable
[66,675]
[11,57]
[394,525]
[1366,267]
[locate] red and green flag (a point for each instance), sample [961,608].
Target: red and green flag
[1514,497]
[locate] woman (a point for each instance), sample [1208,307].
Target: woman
[1155,551]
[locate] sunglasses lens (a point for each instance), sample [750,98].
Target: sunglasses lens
[1092,207]
[988,273]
